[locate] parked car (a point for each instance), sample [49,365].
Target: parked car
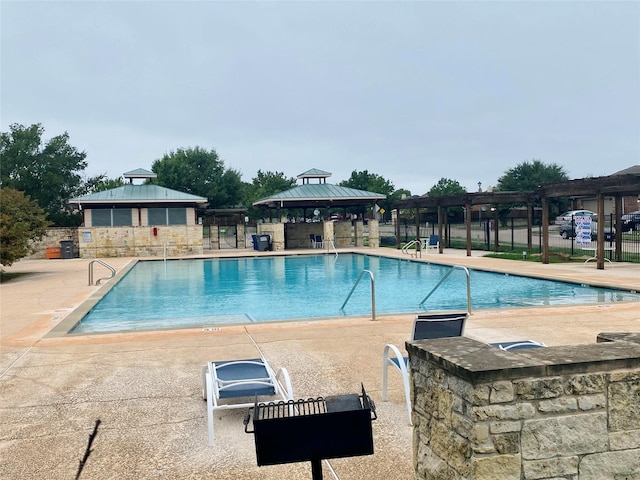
[568,230]
[631,221]
[571,214]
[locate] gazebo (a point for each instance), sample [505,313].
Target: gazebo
[319,197]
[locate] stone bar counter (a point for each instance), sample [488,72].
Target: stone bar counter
[565,412]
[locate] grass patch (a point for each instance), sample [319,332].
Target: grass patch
[554,257]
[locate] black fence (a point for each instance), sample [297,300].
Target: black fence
[566,238]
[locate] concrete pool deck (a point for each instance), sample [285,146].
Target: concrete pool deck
[145,387]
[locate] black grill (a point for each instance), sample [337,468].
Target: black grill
[312,430]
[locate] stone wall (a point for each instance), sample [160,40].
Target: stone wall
[276,230]
[52,239]
[172,240]
[298,234]
[547,413]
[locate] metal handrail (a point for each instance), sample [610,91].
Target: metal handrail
[406,247]
[333,245]
[466,271]
[105,264]
[373,293]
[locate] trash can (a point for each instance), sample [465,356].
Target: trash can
[66,249]
[262,243]
[53,252]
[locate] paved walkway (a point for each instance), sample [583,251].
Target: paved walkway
[145,387]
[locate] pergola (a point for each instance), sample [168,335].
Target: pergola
[616,186]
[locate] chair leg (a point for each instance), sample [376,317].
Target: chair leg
[204,382]
[210,407]
[407,395]
[401,367]
[385,372]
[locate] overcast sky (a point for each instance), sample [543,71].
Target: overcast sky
[412,91]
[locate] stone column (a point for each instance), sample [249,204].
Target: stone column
[359,233]
[374,233]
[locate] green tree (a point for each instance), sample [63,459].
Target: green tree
[100,183]
[200,172]
[446,186]
[22,222]
[529,176]
[263,185]
[371,182]
[47,172]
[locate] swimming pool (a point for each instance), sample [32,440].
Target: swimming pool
[187,293]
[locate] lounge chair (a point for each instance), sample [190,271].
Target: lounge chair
[237,379]
[431,243]
[425,326]
[517,345]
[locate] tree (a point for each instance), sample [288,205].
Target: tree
[446,186]
[371,182]
[530,176]
[263,185]
[22,222]
[48,173]
[100,183]
[200,172]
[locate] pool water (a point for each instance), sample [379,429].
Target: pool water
[187,293]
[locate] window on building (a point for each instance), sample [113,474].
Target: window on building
[167,216]
[101,218]
[121,217]
[111,217]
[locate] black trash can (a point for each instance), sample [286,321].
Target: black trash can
[262,243]
[66,249]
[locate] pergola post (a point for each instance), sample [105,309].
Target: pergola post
[468,222]
[545,231]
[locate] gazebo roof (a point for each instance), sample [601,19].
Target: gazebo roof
[320,195]
[138,194]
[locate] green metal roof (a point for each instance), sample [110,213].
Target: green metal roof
[139,194]
[139,173]
[311,195]
[314,173]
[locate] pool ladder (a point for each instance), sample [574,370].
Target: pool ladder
[466,271]
[104,264]
[373,289]
[373,292]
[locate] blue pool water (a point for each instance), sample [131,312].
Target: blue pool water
[186,293]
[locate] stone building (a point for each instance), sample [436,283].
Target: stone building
[139,220]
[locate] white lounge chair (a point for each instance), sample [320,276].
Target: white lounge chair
[425,326]
[238,379]
[517,345]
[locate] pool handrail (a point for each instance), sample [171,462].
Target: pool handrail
[105,264]
[373,292]
[412,243]
[466,271]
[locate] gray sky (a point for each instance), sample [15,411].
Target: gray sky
[412,91]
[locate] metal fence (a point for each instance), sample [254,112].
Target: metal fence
[512,237]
